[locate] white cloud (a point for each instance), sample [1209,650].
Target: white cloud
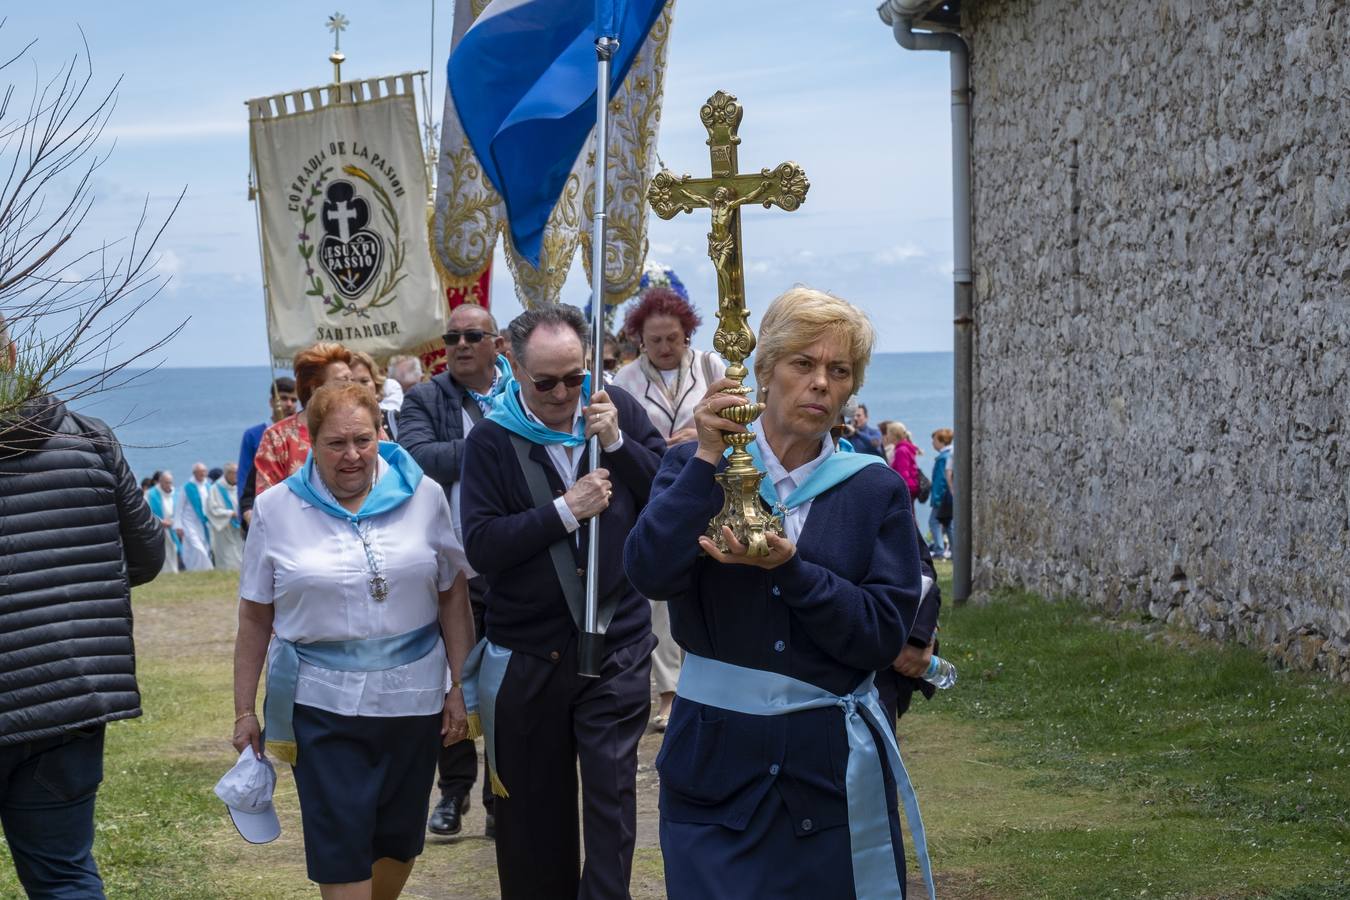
[898,254]
[169,266]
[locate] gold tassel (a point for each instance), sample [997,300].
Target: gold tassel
[475,726]
[498,789]
[286,751]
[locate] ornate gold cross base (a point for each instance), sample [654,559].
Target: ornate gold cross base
[742,510]
[723,195]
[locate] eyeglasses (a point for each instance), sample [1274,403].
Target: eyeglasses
[611,364]
[544,385]
[472,336]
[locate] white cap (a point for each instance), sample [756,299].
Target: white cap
[247,792]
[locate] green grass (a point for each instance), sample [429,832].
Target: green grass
[1076,758]
[1217,775]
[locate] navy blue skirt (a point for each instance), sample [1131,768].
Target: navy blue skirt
[766,859]
[364,784]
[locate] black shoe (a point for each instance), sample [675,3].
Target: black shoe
[446,818]
[490,829]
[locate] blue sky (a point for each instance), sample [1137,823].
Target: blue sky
[823,83]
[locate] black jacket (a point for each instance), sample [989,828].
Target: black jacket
[75,535]
[507,538]
[431,427]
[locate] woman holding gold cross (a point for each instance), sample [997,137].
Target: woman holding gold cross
[779,771]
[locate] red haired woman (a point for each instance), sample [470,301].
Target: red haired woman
[669,378]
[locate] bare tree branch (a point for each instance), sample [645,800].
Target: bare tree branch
[66,322]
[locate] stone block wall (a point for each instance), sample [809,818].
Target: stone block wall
[1162,299]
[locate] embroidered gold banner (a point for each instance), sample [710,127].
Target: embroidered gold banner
[470,214]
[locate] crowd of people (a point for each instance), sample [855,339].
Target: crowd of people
[199,522]
[413,554]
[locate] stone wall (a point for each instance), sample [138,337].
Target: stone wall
[1162,253]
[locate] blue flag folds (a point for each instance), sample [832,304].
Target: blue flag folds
[523,79]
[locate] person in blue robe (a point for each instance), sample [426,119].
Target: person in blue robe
[779,770]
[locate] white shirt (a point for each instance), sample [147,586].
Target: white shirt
[786,482]
[565,461]
[313,569]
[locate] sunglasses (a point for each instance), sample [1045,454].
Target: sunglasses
[544,385]
[472,336]
[611,364]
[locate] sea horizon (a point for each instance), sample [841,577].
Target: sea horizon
[170,417]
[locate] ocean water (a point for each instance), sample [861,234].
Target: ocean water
[172,418]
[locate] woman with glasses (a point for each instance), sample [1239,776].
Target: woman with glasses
[354,589]
[669,379]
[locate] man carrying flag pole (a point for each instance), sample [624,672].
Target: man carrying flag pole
[561,678]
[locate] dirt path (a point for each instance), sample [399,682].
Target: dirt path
[185,626]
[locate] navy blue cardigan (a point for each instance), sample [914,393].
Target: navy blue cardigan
[838,611]
[507,538]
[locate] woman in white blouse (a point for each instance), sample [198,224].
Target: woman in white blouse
[354,575]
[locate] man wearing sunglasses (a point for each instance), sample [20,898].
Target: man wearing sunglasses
[528,493]
[436,417]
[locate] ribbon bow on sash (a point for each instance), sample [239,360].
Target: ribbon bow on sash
[757,692]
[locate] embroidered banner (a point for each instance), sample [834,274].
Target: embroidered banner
[342,199]
[470,214]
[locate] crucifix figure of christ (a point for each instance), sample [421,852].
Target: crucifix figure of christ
[723,195]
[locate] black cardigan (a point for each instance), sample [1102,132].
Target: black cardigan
[507,538]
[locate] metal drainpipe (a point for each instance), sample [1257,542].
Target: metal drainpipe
[963,320]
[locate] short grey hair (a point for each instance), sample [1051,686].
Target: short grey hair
[409,367]
[558,315]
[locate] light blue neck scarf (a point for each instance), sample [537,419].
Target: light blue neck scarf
[508,411]
[390,492]
[838,467]
[503,370]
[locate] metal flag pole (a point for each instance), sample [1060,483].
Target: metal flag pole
[590,645]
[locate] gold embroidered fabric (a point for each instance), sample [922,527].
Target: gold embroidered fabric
[470,214]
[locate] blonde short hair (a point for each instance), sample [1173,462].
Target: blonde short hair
[897,432]
[362,358]
[799,317]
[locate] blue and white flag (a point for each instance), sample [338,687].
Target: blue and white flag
[523,78]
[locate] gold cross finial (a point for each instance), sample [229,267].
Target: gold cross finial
[723,195]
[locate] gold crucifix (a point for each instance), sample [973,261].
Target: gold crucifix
[723,195]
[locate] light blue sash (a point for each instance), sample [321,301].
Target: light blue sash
[838,467]
[508,411]
[355,655]
[195,497]
[157,507]
[482,676]
[759,693]
[229,501]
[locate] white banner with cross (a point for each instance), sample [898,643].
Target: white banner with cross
[342,198]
